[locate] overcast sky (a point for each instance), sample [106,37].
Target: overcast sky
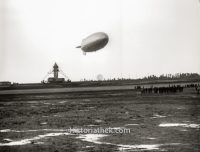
[146,37]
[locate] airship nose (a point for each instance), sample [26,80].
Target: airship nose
[102,35]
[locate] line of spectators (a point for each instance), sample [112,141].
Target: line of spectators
[170,89]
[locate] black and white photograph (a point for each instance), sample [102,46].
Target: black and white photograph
[99,75]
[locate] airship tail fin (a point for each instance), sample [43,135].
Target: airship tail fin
[78,46]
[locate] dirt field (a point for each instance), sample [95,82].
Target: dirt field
[157,122]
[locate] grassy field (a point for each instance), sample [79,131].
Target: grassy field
[157,122]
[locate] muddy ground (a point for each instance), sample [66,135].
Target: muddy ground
[157,122]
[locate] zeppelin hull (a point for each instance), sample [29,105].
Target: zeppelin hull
[94,42]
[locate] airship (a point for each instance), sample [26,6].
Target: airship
[94,42]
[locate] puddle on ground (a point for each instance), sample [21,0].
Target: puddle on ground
[63,102]
[179,125]
[180,108]
[94,138]
[134,119]
[47,103]
[157,116]
[9,130]
[90,107]
[45,116]
[7,140]
[150,138]
[43,123]
[138,147]
[32,101]
[86,99]
[54,130]
[32,140]
[117,128]
[131,124]
[57,115]
[98,121]
[92,125]
[83,110]
[89,146]
[144,147]
[126,112]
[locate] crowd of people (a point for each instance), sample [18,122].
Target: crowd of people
[170,89]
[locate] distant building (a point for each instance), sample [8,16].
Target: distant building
[55,78]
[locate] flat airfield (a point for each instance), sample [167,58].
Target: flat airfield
[157,122]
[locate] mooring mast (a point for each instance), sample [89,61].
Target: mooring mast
[55,78]
[55,71]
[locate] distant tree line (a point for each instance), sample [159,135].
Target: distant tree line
[173,76]
[177,76]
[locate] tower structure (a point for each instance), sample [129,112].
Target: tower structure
[55,78]
[55,71]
